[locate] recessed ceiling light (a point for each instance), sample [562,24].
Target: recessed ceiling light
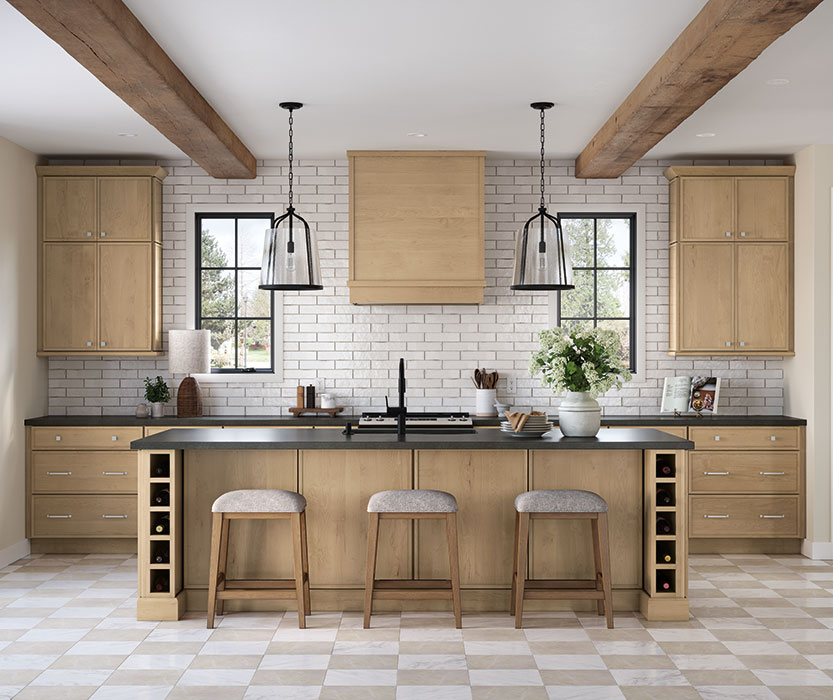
[706,135]
[778,81]
[127,135]
[417,134]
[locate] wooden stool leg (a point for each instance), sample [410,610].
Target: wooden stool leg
[597,571]
[214,567]
[454,567]
[523,541]
[604,546]
[305,563]
[370,566]
[295,520]
[514,565]
[221,605]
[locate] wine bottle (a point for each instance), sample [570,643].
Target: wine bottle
[665,582]
[163,526]
[161,557]
[159,471]
[160,584]
[664,497]
[668,559]
[665,470]
[162,497]
[664,526]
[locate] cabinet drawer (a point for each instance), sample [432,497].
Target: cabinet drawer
[744,516]
[84,472]
[84,438]
[84,516]
[748,438]
[744,472]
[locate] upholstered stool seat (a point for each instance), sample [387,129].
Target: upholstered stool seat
[412,501]
[560,501]
[258,504]
[260,501]
[562,504]
[412,504]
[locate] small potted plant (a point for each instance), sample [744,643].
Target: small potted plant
[584,363]
[158,394]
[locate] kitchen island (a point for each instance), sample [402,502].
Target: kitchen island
[485,470]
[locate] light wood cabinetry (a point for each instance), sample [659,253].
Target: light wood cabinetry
[100,290]
[731,260]
[416,227]
[81,487]
[746,482]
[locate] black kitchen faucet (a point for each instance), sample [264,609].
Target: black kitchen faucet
[399,411]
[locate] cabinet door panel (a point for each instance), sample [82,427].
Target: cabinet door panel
[69,296]
[125,208]
[125,298]
[337,485]
[705,300]
[763,208]
[68,208]
[763,296]
[485,483]
[707,209]
[562,549]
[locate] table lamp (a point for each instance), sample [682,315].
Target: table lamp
[189,352]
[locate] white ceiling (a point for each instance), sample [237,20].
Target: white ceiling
[370,71]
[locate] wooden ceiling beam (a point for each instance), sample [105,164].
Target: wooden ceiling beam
[724,38]
[107,39]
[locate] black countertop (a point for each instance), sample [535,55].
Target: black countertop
[307,421]
[307,439]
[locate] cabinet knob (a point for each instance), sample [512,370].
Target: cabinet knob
[717,437]
[772,438]
[103,234]
[743,234]
[89,343]
[114,437]
[57,438]
[742,343]
[728,343]
[89,234]
[103,344]
[728,234]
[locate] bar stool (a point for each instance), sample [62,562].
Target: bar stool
[412,504]
[261,504]
[563,505]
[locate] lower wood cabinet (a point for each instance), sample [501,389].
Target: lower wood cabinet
[744,516]
[337,485]
[84,516]
[485,483]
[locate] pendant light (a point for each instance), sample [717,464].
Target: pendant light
[542,255]
[290,251]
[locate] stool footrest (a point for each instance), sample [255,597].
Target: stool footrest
[408,583]
[275,584]
[256,594]
[413,594]
[560,583]
[563,594]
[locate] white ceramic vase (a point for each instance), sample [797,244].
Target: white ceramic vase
[484,402]
[579,415]
[157,409]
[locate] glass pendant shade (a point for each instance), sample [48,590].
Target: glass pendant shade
[542,255]
[290,255]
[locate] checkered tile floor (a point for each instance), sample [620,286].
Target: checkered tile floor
[762,628]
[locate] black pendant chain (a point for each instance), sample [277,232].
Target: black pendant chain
[543,205]
[290,159]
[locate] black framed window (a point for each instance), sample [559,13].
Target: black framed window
[229,304]
[603,249]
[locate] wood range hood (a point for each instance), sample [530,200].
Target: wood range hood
[416,227]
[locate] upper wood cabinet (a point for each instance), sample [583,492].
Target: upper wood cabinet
[416,227]
[731,260]
[100,235]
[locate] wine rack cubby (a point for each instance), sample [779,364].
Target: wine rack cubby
[160,536]
[665,546]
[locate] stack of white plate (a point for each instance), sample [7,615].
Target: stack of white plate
[535,426]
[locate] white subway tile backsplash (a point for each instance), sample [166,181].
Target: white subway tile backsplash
[354,349]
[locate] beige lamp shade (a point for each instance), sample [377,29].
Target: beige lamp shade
[189,352]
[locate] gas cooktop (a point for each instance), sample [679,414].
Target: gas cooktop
[428,422]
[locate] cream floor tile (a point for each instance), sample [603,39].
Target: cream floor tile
[733,692]
[67,677]
[226,661]
[781,677]
[432,662]
[560,662]
[435,677]
[284,692]
[588,692]
[289,677]
[216,677]
[295,661]
[427,692]
[366,677]
[135,692]
[150,662]
[723,662]
[483,661]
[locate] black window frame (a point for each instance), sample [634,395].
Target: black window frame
[631,318]
[236,216]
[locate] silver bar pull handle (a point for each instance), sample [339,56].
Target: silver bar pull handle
[59,473]
[58,517]
[772,473]
[114,517]
[717,516]
[114,473]
[718,473]
[774,517]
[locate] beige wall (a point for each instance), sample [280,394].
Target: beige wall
[23,380]
[807,376]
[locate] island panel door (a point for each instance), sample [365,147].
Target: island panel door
[337,485]
[564,549]
[485,483]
